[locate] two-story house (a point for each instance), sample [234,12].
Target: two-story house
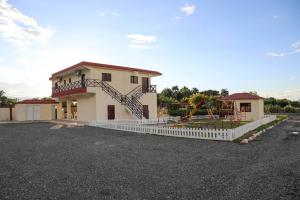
[91,91]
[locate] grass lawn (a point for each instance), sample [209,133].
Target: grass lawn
[206,123]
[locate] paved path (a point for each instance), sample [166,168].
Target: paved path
[37,162]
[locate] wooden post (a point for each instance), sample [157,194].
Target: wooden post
[10,112]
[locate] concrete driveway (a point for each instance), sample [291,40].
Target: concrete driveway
[37,162]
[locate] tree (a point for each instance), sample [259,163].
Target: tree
[1,95]
[5,100]
[211,92]
[167,92]
[165,100]
[224,92]
[184,92]
[196,99]
[282,102]
[194,90]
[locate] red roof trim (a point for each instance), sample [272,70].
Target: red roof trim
[38,101]
[99,65]
[69,92]
[241,96]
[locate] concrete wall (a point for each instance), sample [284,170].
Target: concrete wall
[4,114]
[257,109]
[45,111]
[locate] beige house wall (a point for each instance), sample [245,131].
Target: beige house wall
[86,108]
[257,109]
[45,111]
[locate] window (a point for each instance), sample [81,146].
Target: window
[106,77]
[134,79]
[70,80]
[56,84]
[65,82]
[245,107]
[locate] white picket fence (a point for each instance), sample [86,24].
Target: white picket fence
[241,130]
[151,127]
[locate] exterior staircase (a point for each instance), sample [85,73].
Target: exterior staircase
[131,102]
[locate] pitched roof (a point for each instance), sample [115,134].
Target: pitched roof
[241,96]
[105,66]
[38,101]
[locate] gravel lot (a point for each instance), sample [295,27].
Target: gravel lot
[93,163]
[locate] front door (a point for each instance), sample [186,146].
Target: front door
[145,84]
[110,112]
[146,111]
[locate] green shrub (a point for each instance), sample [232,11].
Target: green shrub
[177,112]
[273,108]
[289,109]
[201,112]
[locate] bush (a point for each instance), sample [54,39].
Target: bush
[177,112]
[273,108]
[201,112]
[184,112]
[289,109]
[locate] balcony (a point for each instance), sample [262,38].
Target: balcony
[78,87]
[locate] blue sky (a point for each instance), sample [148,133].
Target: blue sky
[212,44]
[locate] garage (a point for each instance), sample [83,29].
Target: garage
[33,113]
[36,110]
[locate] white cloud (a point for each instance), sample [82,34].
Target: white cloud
[20,29]
[273,54]
[188,9]
[176,18]
[29,75]
[293,78]
[276,17]
[136,46]
[105,13]
[295,46]
[1,60]
[140,41]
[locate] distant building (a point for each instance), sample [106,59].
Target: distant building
[248,106]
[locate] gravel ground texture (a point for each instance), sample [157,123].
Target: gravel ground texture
[37,162]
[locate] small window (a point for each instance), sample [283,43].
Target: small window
[134,79]
[106,77]
[65,82]
[56,84]
[245,107]
[70,80]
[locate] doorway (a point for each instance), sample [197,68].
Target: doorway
[111,112]
[145,84]
[146,111]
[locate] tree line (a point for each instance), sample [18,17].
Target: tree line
[6,101]
[172,99]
